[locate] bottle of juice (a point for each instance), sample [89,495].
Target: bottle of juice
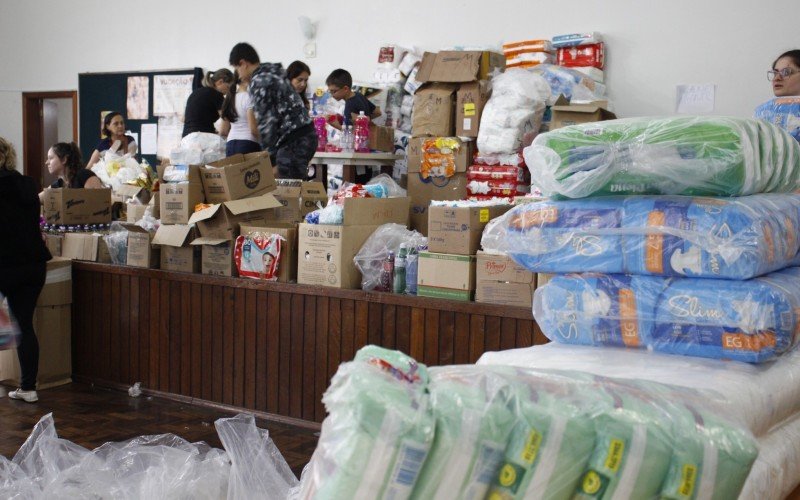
[322,132]
[362,133]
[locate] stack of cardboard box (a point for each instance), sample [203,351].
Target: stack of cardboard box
[448,104]
[82,210]
[447,269]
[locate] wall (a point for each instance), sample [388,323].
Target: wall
[652,45]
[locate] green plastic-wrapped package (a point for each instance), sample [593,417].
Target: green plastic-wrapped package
[378,430]
[686,155]
[549,446]
[474,411]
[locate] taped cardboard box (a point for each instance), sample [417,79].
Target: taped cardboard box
[500,280]
[564,114]
[458,230]
[178,199]
[434,109]
[134,211]
[297,198]
[238,176]
[381,138]
[177,254]
[470,100]
[216,256]
[77,206]
[222,221]
[287,267]
[458,66]
[446,276]
[141,252]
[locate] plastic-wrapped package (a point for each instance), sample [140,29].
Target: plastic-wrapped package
[203,147]
[390,187]
[575,39]
[117,242]
[258,255]
[699,156]
[776,471]
[115,170]
[8,326]
[570,83]
[752,321]
[378,430]
[783,112]
[375,250]
[176,173]
[731,238]
[513,115]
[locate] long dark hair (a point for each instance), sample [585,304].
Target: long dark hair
[212,77]
[70,155]
[794,55]
[228,111]
[296,69]
[106,123]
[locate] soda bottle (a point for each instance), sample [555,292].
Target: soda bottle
[322,132]
[411,271]
[362,133]
[399,283]
[387,273]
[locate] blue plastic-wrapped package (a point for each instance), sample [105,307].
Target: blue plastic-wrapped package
[783,112]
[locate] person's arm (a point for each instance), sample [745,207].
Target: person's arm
[376,112]
[264,108]
[132,148]
[251,121]
[93,182]
[95,158]
[225,127]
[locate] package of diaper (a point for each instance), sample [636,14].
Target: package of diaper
[378,430]
[783,112]
[752,321]
[730,238]
[687,155]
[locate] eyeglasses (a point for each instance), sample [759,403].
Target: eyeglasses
[334,91]
[783,73]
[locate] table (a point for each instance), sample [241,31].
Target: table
[350,160]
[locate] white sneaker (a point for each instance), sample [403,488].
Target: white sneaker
[27,396]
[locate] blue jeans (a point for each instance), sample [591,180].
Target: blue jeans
[241,146]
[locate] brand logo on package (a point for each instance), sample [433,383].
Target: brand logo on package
[435,181]
[104,211]
[495,267]
[252,178]
[72,203]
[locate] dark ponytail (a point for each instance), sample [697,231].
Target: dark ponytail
[70,155]
[228,111]
[212,77]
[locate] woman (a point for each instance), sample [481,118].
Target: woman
[239,121]
[204,104]
[64,161]
[23,267]
[784,109]
[298,73]
[114,138]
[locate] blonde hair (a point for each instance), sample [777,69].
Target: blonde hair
[8,155]
[212,77]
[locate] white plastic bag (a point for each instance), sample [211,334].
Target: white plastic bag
[387,238]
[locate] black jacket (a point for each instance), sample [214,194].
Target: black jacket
[20,236]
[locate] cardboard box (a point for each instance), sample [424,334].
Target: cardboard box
[57,288]
[238,176]
[54,243]
[134,211]
[176,252]
[459,66]
[563,113]
[82,246]
[434,108]
[445,276]
[287,268]
[141,252]
[470,100]
[216,256]
[297,198]
[500,280]
[458,230]
[155,205]
[422,190]
[381,138]
[77,206]
[178,199]
[126,192]
[222,221]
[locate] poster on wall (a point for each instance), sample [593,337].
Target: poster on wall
[102,125]
[149,144]
[170,129]
[138,97]
[170,93]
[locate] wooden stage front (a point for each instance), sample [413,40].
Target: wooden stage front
[268,347]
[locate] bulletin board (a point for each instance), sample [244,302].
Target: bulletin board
[101,92]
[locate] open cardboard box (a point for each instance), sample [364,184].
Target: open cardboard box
[222,221]
[238,176]
[176,252]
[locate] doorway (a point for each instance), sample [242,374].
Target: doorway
[47,118]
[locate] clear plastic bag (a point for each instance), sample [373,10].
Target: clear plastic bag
[390,187]
[203,147]
[731,238]
[570,83]
[387,238]
[776,471]
[117,242]
[752,321]
[693,155]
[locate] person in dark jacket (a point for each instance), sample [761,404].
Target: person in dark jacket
[23,263]
[283,120]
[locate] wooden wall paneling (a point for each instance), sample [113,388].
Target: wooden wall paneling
[447,324]
[144,331]
[217,354]
[105,355]
[321,379]
[389,327]
[155,332]
[477,324]
[165,316]
[87,298]
[239,321]
[133,331]
[461,341]
[250,348]
[417,333]
[374,323]
[297,368]
[361,336]
[261,358]
[273,330]
[81,350]
[524,333]
[174,336]
[309,356]
[538,335]
[402,327]
[186,334]
[196,341]
[508,333]
[285,348]
[348,330]
[101,318]
[492,339]
[334,336]
[431,356]
[123,335]
[228,347]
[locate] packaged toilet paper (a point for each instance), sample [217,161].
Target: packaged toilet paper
[688,155]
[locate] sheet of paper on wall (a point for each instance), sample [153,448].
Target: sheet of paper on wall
[138,97]
[135,136]
[695,98]
[149,144]
[170,129]
[170,93]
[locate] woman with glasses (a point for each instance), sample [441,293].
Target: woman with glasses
[784,109]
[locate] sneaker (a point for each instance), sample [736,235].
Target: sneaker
[27,396]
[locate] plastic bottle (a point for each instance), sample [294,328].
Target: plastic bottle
[322,132]
[399,280]
[347,139]
[411,271]
[387,273]
[361,136]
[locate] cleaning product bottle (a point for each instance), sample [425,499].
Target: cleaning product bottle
[411,271]
[399,284]
[362,133]
[387,274]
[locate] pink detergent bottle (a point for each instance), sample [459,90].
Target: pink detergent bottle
[322,132]
[362,133]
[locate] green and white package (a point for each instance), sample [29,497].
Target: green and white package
[685,155]
[378,431]
[473,407]
[548,449]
